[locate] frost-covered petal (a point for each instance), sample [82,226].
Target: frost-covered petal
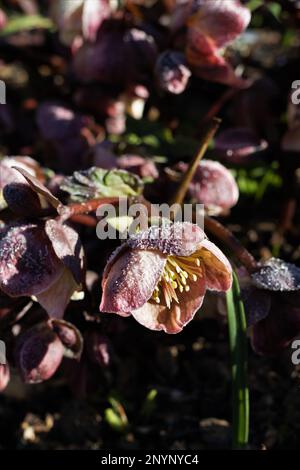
[160,318]
[129,279]
[179,239]
[28,264]
[218,271]
[277,275]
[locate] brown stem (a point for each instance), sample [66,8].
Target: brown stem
[188,176]
[86,220]
[226,236]
[91,205]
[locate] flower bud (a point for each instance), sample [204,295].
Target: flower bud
[21,199]
[171,72]
[39,354]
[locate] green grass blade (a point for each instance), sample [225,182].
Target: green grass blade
[238,350]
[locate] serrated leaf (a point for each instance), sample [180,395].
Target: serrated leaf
[98,182]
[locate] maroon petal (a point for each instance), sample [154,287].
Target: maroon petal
[160,318]
[238,143]
[178,239]
[277,275]
[70,337]
[220,21]
[56,298]
[28,264]
[275,332]
[67,246]
[218,271]
[129,279]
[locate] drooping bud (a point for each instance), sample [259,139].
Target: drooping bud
[21,199]
[39,353]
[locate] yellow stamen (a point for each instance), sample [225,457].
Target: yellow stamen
[177,274]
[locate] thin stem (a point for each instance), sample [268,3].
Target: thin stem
[238,349]
[188,176]
[91,205]
[226,236]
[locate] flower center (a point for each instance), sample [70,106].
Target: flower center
[177,274]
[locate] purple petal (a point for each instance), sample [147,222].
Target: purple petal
[178,239]
[160,318]
[129,279]
[277,275]
[171,72]
[218,271]
[4,376]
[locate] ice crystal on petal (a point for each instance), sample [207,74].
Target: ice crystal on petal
[277,275]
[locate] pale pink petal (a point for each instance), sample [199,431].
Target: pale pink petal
[218,270]
[94,13]
[129,279]
[160,318]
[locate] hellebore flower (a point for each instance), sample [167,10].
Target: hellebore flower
[29,266]
[119,57]
[214,186]
[39,353]
[160,276]
[272,302]
[171,72]
[63,128]
[211,27]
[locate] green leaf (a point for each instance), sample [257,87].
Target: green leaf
[238,349]
[19,23]
[97,182]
